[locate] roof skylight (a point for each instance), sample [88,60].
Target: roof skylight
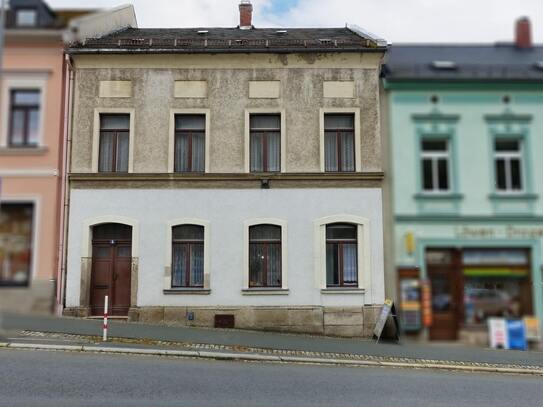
[444,65]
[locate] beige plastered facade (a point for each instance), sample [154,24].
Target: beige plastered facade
[301,97]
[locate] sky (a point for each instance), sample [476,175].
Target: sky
[395,20]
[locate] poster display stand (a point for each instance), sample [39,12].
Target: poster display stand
[389,310]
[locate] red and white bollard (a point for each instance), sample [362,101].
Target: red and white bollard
[104,338]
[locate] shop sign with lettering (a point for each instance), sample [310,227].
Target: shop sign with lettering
[499,232]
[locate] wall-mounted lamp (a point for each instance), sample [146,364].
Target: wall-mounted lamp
[410,243]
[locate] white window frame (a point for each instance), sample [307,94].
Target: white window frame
[23,81]
[507,156]
[357,141]
[434,156]
[363,249]
[284,256]
[96,134]
[171,139]
[169,255]
[264,110]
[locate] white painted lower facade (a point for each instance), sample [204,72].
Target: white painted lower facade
[226,213]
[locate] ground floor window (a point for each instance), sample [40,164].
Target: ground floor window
[188,256]
[341,255]
[16,223]
[265,256]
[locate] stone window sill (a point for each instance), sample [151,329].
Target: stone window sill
[442,196]
[519,196]
[187,291]
[343,291]
[265,291]
[23,150]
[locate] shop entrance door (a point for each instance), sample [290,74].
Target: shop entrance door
[111,269]
[444,275]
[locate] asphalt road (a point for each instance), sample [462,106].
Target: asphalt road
[72,379]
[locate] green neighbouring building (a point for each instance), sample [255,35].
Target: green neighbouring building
[465,135]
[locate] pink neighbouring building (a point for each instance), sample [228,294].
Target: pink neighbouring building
[33,91]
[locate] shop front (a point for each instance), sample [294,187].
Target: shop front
[471,275]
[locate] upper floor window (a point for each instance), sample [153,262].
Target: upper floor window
[508,165]
[435,165]
[114,142]
[265,142]
[188,256]
[341,255]
[339,144]
[24,117]
[189,147]
[26,17]
[265,256]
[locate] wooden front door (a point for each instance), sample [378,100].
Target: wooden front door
[447,298]
[111,270]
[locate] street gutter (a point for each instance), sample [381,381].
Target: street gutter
[252,357]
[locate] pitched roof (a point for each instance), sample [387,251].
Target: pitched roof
[215,40]
[457,62]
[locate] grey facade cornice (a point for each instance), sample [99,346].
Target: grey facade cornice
[318,176]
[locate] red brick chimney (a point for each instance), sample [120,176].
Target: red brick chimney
[245,15]
[523,33]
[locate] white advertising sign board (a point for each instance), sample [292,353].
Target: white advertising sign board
[497,332]
[533,328]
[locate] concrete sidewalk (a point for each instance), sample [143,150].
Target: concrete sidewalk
[454,353]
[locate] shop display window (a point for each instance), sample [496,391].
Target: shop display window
[496,284]
[15,243]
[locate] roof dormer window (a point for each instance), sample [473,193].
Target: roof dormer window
[444,65]
[26,17]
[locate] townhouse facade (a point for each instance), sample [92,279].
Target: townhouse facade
[465,131]
[31,148]
[228,177]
